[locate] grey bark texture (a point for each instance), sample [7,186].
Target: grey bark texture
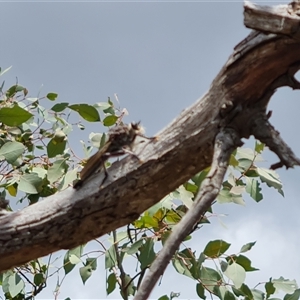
[267,59]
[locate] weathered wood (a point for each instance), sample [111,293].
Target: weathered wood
[70,218]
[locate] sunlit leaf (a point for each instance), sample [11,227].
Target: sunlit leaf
[236,273]
[226,197]
[11,151]
[110,120]
[30,183]
[286,285]
[271,178]
[86,111]
[14,116]
[52,96]
[16,285]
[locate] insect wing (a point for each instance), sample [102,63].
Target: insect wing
[95,162]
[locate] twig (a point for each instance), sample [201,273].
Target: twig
[226,141]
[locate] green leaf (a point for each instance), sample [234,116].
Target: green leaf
[16,285]
[253,189]
[236,273]
[130,287]
[111,283]
[164,297]
[87,112]
[257,294]
[271,178]
[11,151]
[210,278]
[216,248]
[52,96]
[243,291]
[226,197]
[286,285]
[198,179]
[245,262]
[259,147]
[135,247]
[92,262]
[55,147]
[233,161]
[71,258]
[147,254]
[200,291]
[14,116]
[247,247]
[38,279]
[57,170]
[59,107]
[68,179]
[13,90]
[229,296]
[181,267]
[110,120]
[110,258]
[30,183]
[269,287]
[188,257]
[294,296]
[85,273]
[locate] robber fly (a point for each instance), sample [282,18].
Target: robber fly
[120,142]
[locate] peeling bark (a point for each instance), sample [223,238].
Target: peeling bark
[267,59]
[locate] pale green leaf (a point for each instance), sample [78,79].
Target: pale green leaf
[85,273]
[30,183]
[16,285]
[247,247]
[236,273]
[185,196]
[271,178]
[226,197]
[285,285]
[56,170]
[11,151]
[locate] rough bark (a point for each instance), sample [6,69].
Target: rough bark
[264,61]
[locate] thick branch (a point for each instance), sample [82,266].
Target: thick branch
[184,148]
[226,141]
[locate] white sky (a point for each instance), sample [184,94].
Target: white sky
[159,58]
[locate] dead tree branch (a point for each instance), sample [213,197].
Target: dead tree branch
[241,90]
